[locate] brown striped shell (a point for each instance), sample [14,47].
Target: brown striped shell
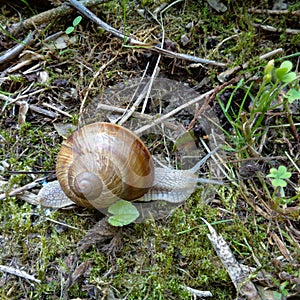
[101,163]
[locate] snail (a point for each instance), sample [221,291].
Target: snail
[102,163]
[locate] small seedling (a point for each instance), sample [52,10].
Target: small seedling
[123,213]
[247,122]
[283,73]
[292,95]
[279,176]
[76,21]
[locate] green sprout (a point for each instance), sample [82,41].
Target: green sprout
[292,95]
[274,81]
[247,122]
[283,73]
[279,176]
[76,21]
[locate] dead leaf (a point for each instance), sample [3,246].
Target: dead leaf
[237,274]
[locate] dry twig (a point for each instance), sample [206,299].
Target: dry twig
[173,112]
[274,29]
[21,189]
[13,52]
[274,11]
[48,16]
[237,274]
[35,108]
[129,40]
[19,273]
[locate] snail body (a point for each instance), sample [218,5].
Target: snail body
[102,162]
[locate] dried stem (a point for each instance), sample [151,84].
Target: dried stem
[130,40]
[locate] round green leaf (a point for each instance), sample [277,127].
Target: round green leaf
[283,173]
[77,20]
[292,95]
[123,213]
[287,65]
[273,173]
[69,30]
[277,182]
[289,77]
[281,170]
[280,72]
[279,175]
[283,72]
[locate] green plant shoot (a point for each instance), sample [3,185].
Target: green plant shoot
[279,176]
[76,21]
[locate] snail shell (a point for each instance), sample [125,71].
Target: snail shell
[101,163]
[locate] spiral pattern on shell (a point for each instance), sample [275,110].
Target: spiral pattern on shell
[101,163]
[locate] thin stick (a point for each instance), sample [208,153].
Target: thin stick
[16,50]
[19,273]
[225,40]
[41,111]
[32,107]
[274,29]
[224,75]
[198,293]
[150,84]
[10,100]
[129,40]
[122,111]
[274,12]
[61,223]
[173,112]
[19,190]
[156,69]
[131,111]
[48,16]
[291,160]
[137,115]
[22,189]
[92,83]
[218,162]
[57,109]
[271,53]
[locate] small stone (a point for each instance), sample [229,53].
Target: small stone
[185,39]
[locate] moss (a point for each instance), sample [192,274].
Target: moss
[38,245]
[161,259]
[25,150]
